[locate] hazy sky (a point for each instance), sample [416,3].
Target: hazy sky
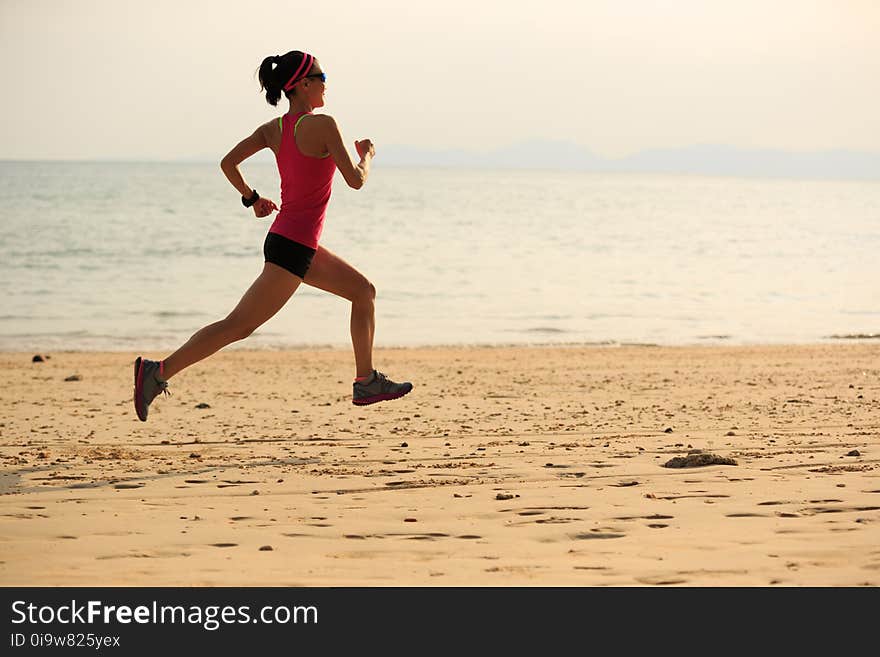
[175,78]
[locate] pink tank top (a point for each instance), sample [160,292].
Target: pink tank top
[305,188]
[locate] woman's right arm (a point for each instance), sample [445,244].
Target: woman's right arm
[240,152]
[355,174]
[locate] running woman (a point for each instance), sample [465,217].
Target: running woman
[308,149]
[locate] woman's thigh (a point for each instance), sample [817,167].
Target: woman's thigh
[265,297]
[332,274]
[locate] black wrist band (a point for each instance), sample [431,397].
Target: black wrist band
[248,202]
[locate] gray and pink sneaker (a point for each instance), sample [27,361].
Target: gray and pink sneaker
[147,384]
[378,388]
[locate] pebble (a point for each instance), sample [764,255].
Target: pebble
[37,359]
[504,496]
[854,452]
[266,548]
[73,377]
[203,405]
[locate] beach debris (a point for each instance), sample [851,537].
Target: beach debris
[698,458]
[667,430]
[854,452]
[410,520]
[37,359]
[255,492]
[624,484]
[203,405]
[195,455]
[266,548]
[73,377]
[505,496]
[404,444]
[730,433]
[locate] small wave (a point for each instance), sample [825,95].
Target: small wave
[544,329]
[166,314]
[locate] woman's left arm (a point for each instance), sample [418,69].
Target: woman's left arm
[240,152]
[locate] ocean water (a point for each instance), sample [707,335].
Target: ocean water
[138,256]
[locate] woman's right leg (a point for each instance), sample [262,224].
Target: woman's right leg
[265,297]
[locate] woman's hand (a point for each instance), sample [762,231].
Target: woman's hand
[264,207]
[365,147]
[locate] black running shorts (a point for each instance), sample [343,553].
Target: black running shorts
[287,254]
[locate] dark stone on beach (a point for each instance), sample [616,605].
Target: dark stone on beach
[667,430]
[854,452]
[73,377]
[193,455]
[504,496]
[266,548]
[203,405]
[37,359]
[404,444]
[697,459]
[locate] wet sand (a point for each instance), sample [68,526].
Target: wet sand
[505,466]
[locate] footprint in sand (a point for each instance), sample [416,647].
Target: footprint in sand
[586,536]
[660,581]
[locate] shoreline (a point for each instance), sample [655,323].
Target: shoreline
[531,466]
[711,342]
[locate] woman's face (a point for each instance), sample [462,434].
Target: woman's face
[314,86]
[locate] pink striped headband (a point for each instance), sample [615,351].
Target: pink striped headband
[301,72]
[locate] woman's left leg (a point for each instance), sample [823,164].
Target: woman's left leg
[332,274]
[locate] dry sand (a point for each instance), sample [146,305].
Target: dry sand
[505,466]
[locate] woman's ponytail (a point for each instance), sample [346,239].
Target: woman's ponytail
[269,82]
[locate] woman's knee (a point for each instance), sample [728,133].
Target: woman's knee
[366,293]
[237,329]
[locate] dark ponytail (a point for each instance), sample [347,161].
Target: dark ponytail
[275,71]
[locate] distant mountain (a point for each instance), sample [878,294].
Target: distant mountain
[706,160]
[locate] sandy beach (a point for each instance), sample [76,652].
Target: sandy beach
[505,466]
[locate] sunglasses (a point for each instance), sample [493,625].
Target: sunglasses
[321,76]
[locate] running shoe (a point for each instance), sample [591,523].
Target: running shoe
[378,388]
[147,385]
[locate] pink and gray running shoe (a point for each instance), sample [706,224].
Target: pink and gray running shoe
[378,388]
[147,385]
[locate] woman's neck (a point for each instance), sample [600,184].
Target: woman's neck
[298,105]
